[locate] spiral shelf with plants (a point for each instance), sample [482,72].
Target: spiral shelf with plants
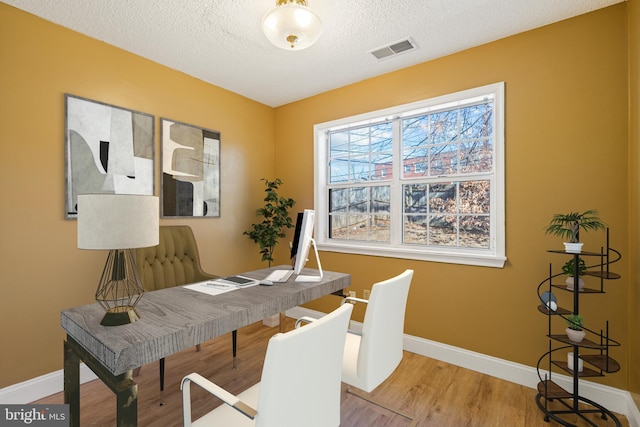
[581,352]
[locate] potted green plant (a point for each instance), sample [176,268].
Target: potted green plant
[275,218]
[568,227]
[574,330]
[569,269]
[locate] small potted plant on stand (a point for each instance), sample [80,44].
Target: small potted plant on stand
[568,226]
[275,217]
[574,329]
[569,269]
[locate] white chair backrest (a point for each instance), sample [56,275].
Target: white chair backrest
[383,328]
[301,375]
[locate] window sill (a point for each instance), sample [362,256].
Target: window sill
[476,258]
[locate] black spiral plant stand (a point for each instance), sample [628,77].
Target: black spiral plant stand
[596,346]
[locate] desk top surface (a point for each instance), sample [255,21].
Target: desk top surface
[177,318]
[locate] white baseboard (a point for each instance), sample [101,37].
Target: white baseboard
[632,413]
[614,399]
[40,387]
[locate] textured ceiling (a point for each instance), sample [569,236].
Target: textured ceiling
[221,42]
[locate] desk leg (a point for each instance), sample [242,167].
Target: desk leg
[283,316]
[127,402]
[234,346]
[125,389]
[72,384]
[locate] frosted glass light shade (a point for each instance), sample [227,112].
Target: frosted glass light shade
[292,25]
[117,221]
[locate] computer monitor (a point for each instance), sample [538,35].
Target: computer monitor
[296,236]
[303,243]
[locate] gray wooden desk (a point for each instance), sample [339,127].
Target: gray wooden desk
[171,320]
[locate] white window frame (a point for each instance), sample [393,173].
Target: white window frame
[494,256]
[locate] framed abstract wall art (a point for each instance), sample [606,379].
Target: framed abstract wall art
[190,170]
[108,149]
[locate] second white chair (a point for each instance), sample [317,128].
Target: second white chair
[370,357]
[300,384]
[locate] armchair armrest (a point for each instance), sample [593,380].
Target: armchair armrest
[215,390]
[306,319]
[354,299]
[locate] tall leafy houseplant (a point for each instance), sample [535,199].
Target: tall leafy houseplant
[275,218]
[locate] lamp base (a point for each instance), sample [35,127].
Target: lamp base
[120,315]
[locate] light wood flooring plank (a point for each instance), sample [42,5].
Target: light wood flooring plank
[436,393]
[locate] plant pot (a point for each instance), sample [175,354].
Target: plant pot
[573,248]
[569,283]
[570,362]
[574,335]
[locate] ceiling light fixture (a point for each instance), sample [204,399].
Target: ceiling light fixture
[292,25]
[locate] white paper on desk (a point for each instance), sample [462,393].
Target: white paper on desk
[211,288]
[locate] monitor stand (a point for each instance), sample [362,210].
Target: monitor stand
[302,278]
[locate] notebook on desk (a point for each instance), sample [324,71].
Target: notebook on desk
[222,285]
[239,281]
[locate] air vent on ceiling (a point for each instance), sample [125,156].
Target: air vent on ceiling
[393,49]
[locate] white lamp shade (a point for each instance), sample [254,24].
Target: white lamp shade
[117,221]
[292,20]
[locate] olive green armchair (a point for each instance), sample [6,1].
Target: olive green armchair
[173,262]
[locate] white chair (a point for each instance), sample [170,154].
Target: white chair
[300,384]
[370,357]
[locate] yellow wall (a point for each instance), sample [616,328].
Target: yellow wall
[43,272]
[566,149]
[566,114]
[634,193]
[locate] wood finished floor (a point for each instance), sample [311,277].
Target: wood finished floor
[436,393]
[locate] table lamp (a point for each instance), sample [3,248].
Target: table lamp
[118,223]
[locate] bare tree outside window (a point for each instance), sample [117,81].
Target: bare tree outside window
[426,179]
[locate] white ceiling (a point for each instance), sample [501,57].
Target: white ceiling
[221,42]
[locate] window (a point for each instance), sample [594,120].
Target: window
[420,181]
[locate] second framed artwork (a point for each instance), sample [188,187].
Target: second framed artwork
[190,170]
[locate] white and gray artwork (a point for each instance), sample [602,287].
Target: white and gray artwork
[108,150]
